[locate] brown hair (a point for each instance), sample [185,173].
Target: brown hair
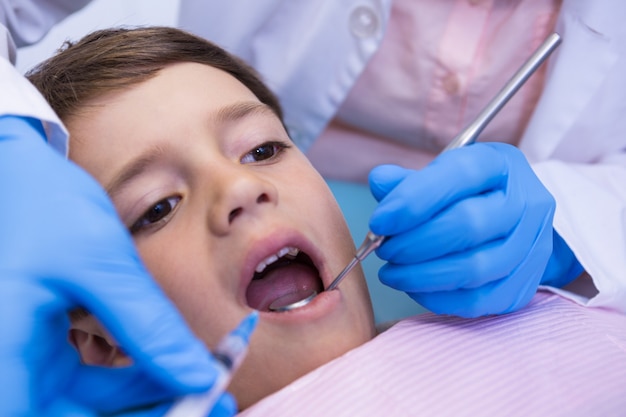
[112,59]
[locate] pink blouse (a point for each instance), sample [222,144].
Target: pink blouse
[439,64]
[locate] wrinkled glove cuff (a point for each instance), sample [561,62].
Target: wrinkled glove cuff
[563,266]
[17,127]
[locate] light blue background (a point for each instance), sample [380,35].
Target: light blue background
[357,205]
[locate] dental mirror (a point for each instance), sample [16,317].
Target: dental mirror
[292,301]
[466,137]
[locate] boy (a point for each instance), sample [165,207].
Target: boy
[226,213]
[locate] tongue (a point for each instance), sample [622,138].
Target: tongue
[288,281]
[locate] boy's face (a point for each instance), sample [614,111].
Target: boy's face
[207,180]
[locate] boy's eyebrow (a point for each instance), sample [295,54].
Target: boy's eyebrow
[240,110]
[226,114]
[134,168]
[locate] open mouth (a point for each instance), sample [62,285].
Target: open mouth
[290,273]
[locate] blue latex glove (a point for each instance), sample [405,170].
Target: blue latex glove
[63,246]
[470,234]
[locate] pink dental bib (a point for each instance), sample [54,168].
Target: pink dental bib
[553,358]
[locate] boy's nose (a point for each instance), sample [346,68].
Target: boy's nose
[263,198]
[241,195]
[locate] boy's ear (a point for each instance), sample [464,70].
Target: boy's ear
[97,350]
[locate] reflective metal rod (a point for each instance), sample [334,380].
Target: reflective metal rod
[471,132]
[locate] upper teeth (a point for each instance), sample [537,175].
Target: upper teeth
[288,250]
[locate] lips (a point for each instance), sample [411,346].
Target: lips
[287,274]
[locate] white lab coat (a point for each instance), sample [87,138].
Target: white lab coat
[29,20]
[23,22]
[312,52]
[18,97]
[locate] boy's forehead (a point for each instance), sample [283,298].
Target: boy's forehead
[190,90]
[185,82]
[195,91]
[203,79]
[131,125]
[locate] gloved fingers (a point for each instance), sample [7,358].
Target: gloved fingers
[472,303]
[61,407]
[498,297]
[83,256]
[451,177]
[474,268]
[39,339]
[444,274]
[105,276]
[465,225]
[384,178]
[225,406]
[18,128]
[33,328]
[152,332]
[154,411]
[563,266]
[114,390]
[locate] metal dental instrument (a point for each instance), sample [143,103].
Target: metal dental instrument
[229,353]
[371,242]
[466,137]
[278,306]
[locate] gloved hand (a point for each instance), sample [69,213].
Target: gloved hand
[470,234]
[63,246]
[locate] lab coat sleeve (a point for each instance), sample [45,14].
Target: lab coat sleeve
[591,217]
[20,98]
[576,142]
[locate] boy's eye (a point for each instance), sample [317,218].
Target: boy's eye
[155,214]
[264,152]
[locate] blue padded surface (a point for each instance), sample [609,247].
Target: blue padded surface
[358,204]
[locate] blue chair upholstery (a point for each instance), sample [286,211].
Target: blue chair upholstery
[357,205]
